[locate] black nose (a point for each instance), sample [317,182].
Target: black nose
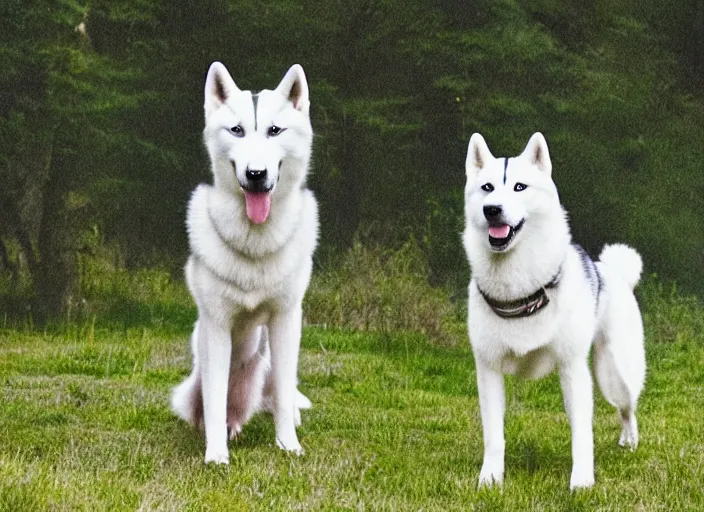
[255,175]
[492,211]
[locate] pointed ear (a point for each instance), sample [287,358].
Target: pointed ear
[219,85]
[295,87]
[537,153]
[478,155]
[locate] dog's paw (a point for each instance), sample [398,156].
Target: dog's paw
[217,456]
[297,417]
[629,438]
[234,430]
[491,476]
[186,402]
[302,401]
[292,446]
[581,481]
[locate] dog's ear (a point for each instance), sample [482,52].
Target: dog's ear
[295,88]
[537,153]
[219,85]
[478,155]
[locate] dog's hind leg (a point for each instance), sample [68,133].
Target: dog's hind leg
[619,351]
[619,364]
[187,397]
[620,374]
[248,371]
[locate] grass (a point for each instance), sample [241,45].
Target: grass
[372,288]
[84,424]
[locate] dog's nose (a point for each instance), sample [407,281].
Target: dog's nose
[492,211]
[255,174]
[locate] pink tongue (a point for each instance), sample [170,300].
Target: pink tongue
[258,206]
[499,231]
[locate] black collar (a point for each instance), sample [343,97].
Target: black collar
[523,307]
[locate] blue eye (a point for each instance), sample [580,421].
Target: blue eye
[487,187]
[237,131]
[520,187]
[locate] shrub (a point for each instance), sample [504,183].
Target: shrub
[378,289]
[116,296]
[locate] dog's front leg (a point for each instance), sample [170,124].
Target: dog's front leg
[492,405]
[285,340]
[214,351]
[577,391]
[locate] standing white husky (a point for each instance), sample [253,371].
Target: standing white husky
[252,236]
[537,302]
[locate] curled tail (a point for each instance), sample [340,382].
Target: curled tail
[625,261]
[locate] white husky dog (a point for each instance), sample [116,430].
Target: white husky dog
[252,235]
[538,302]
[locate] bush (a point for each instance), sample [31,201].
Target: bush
[116,296]
[376,289]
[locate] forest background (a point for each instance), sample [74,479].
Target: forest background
[101,126]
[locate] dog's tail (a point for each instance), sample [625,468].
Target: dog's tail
[625,261]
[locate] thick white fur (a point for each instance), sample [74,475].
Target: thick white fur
[560,335]
[625,261]
[248,280]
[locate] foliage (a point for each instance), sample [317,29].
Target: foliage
[380,290]
[101,120]
[59,104]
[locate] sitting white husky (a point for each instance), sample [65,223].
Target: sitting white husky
[252,236]
[538,302]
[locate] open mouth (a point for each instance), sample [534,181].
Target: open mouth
[501,235]
[258,203]
[257,197]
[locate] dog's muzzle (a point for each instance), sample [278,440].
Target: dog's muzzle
[256,181]
[501,233]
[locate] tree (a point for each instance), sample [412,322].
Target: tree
[58,98]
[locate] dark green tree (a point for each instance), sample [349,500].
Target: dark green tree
[58,99]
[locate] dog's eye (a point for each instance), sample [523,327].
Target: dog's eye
[274,130]
[237,131]
[520,186]
[487,187]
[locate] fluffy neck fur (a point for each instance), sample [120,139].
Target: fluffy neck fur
[531,263]
[227,215]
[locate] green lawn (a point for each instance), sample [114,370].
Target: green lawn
[84,425]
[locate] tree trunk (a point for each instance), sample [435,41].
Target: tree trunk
[56,275]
